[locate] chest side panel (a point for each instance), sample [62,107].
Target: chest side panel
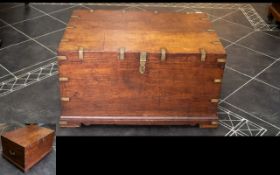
[37,150]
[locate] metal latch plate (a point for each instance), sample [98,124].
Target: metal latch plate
[143,59]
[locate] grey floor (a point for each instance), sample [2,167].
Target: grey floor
[250,100]
[47,166]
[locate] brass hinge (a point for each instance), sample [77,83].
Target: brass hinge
[221,60]
[81,53]
[214,100]
[217,80]
[203,54]
[121,56]
[61,58]
[65,99]
[162,54]
[63,78]
[143,59]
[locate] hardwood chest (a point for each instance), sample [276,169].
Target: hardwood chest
[140,68]
[24,147]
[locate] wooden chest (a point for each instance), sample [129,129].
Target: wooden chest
[140,68]
[26,146]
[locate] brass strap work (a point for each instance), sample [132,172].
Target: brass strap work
[61,58]
[217,80]
[214,123]
[64,40]
[221,60]
[216,42]
[65,99]
[162,54]
[143,59]
[211,30]
[63,78]
[81,53]
[70,27]
[214,100]
[121,56]
[203,54]
[74,16]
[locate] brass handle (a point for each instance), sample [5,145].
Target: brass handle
[12,153]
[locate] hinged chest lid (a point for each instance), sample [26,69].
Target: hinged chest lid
[109,31]
[27,135]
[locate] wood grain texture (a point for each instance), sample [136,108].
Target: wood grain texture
[24,147]
[103,87]
[107,31]
[101,84]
